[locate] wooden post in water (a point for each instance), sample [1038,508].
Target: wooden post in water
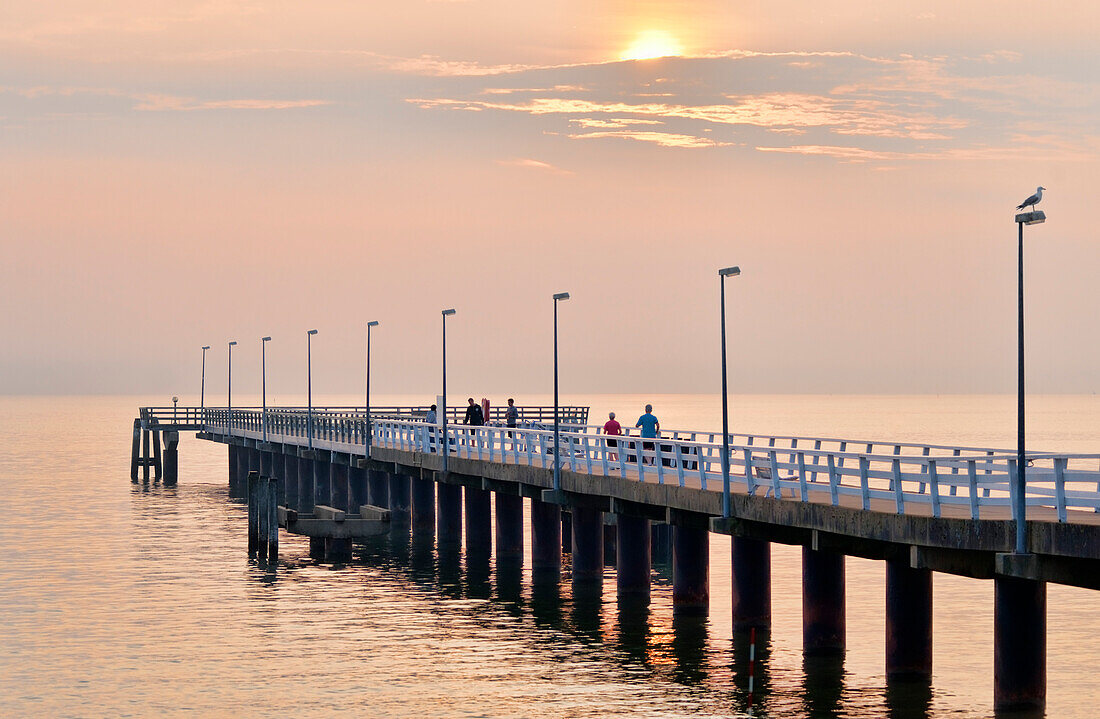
[253,512]
[156,456]
[145,456]
[135,451]
[171,457]
[272,513]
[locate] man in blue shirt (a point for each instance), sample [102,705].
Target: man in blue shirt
[650,428]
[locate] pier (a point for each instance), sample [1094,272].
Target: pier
[337,474]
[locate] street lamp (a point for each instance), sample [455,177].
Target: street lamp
[229,387]
[370,428]
[1036,217]
[263,375]
[559,297]
[443,409]
[202,386]
[723,274]
[309,383]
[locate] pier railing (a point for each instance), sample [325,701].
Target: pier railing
[886,476]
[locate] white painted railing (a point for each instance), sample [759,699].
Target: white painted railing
[884,476]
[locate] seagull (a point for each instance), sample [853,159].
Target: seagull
[1033,200]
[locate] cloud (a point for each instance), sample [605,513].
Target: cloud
[162,103]
[664,139]
[529,163]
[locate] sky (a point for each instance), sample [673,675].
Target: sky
[185,173]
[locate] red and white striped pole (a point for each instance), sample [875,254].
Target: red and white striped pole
[752,663]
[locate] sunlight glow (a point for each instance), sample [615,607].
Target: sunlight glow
[650,44]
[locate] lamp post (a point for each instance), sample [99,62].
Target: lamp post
[722,275]
[559,297]
[309,384]
[370,427]
[1019,510]
[202,385]
[263,381]
[229,388]
[443,409]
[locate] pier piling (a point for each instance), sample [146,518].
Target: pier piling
[823,629]
[690,569]
[908,621]
[378,488]
[587,545]
[1019,644]
[479,523]
[423,505]
[400,504]
[449,525]
[171,457]
[751,583]
[633,556]
[509,510]
[545,536]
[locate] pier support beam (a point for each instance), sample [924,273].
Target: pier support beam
[822,602]
[322,482]
[690,569]
[423,505]
[171,457]
[545,536]
[1019,644]
[290,481]
[661,542]
[378,488]
[400,502]
[449,528]
[587,545]
[752,583]
[908,621]
[305,491]
[509,528]
[339,487]
[633,556]
[357,489]
[566,532]
[479,523]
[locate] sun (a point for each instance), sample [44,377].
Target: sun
[652,43]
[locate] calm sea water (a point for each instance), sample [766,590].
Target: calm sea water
[122,600]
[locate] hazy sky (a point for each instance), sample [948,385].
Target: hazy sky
[179,173]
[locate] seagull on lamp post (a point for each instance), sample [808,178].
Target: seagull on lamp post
[1033,200]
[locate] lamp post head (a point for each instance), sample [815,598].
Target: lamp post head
[730,272]
[561,296]
[448,313]
[265,339]
[373,323]
[206,347]
[233,343]
[311,332]
[175,399]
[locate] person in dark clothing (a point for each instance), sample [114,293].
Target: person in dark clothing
[474,417]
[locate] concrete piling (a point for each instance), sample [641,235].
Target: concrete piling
[378,488]
[479,523]
[908,621]
[587,545]
[400,503]
[661,543]
[823,606]
[305,487]
[339,486]
[566,532]
[449,525]
[322,482]
[690,569]
[545,536]
[509,510]
[423,505]
[289,496]
[171,457]
[357,489]
[1019,644]
[633,556]
[752,583]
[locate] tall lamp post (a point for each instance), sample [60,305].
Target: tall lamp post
[263,381]
[443,409]
[309,384]
[722,275]
[202,385]
[370,426]
[229,388]
[559,297]
[1036,217]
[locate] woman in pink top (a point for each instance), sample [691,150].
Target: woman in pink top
[612,427]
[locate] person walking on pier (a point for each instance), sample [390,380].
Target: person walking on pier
[651,428]
[511,419]
[431,419]
[613,428]
[474,418]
